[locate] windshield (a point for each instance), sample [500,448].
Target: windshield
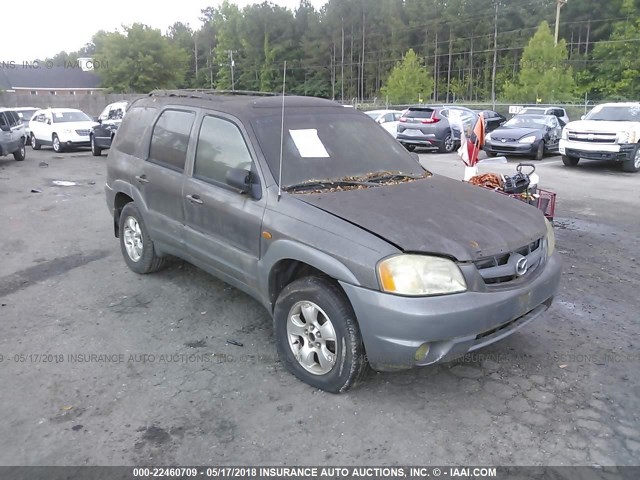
[330,146]
[63,117]
[528,111]
[25,115]
[616,114]
[527,121]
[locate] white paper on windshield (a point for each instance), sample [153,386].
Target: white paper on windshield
[308,143]
[58,114]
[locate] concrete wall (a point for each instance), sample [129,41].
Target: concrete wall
[92,105]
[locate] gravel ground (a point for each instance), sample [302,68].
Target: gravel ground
[101,366]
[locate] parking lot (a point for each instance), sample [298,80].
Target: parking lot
[100,366]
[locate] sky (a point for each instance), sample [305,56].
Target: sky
[50,27]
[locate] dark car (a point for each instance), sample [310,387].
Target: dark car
[346,240]
[492,120]
[12,135]
[109,120]
[434,127]
[529,135]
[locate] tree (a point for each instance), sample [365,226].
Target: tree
[544,74]
[409,81]
[139,60]
[617,63]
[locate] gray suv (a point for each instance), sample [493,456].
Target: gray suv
[361,256]
[12,135]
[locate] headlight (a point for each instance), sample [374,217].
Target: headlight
[565,134]
[626,137]
[530,139]
[487,138]
[417,275]
[551,238]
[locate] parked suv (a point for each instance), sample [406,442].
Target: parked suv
[61,128]
[360,255]
[434,126]
[12,135]
[101,135]
[610,131]
[25,114]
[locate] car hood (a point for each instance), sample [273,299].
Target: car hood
[437,215]
[597,126]
[514,133]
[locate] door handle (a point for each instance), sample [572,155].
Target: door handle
[142,178]
[195,199]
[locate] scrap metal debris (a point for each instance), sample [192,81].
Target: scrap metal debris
[235,342]
[395,178]
[64,183]
[487,180]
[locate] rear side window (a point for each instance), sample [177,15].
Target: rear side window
[220,148]
[3,120]
[422,113]
[170,138]
[133,128]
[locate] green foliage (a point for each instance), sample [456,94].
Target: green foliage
[544,75]
[139,60]
[409,81]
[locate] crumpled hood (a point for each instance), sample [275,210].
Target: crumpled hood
[437,215]
[515,133]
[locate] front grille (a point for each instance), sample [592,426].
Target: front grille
[83,133]
[503,268]
[591,137]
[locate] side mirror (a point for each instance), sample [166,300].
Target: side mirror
[239,178]
[97,119]
[381,121]
[48,121]
[582,117]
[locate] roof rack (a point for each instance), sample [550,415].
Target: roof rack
[204,93]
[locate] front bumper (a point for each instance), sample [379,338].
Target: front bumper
[512,148]
[596,151]
[74,140]
[423,140]
[394,327]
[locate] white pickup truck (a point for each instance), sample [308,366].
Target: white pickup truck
[610,131]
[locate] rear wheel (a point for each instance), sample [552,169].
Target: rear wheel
[570,161]
[633,164]
[95,149]
[317,335]
[448,144]
[35,144]
[136,244]
[21,153]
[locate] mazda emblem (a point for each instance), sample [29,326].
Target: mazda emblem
[521,267]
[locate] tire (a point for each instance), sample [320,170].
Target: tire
[344,358]
[35,144]
[633,164]
[136,244]
[448,144]
[492,154]
[55,142]
[540,152]
[20,154]
[570,161]
[96,151]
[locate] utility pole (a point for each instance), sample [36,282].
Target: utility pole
[495,58]
[342,65]
[559,5]
[232,64]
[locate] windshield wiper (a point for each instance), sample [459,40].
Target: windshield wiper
[379,177]
[321,184]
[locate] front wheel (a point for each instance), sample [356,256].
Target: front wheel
[448,144]
[35,144]
[57,146]
[96,151]
[632,164]
[540,151]
[317,335]
[20,154]
[136,244]
[570,161]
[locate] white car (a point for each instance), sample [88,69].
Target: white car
[610,131]
[559,112]
[25,114]
[387,119]
[61,128]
